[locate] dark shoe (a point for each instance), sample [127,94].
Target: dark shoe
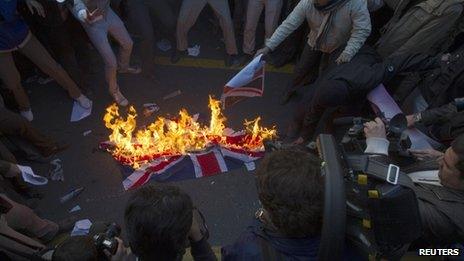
[231,60]
[50,151]
[176,55]
[244,59]
[287,96]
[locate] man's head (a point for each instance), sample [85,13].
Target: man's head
[158,219]
[290,187]
[452,165]
[77,248]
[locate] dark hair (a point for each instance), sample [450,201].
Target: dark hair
[290,187]
[76,248]
[158,219]
[458,147]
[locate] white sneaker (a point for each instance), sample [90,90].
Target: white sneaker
[27,114]
[119,98]
[84,101]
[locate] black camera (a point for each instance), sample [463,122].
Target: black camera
[354,139]
[107,240]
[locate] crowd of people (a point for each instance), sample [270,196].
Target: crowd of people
[343,50]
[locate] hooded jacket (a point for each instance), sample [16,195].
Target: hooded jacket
[13,29]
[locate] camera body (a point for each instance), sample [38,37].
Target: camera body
[107,240]
[354,139]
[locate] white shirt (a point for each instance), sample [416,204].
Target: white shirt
[380,146]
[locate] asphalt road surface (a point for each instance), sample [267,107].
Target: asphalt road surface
[228,200]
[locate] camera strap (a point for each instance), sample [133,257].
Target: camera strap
[370,166]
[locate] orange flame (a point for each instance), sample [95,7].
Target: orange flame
[174,137]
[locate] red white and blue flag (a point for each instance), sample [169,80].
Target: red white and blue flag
[249,82]
[192,165]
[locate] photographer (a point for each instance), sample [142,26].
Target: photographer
[439,191]
[160,223]
[288,227]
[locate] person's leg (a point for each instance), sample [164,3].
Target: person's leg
[40,57]
[255,7]
[98,34]
[327,94]
[138,12]
[15,125]
[6,155]
[272,16]
[16,242]
[12,80]
[189,12]
[222,11]
[119,32]
[293,130]
[20,217]
[65,54]
[165,14]
[305,72]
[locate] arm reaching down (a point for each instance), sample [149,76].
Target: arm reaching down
[361,30]
[293,21]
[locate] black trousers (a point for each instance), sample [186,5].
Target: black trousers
[142,14]
[311,63]
[318,98]
[62,40]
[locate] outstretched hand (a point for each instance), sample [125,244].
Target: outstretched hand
[264,51]
[343,58]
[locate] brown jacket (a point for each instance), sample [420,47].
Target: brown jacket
[424,26]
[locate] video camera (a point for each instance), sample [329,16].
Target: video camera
[107,240]
[367,203]
[354,139]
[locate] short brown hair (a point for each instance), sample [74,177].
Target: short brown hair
[290,187]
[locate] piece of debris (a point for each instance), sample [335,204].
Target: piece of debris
[72,194]
[44,80]
[150,108]
[30,177]
[56,170]
[85,133]
[75,209]
[164,45]
[81,228]
[250,166]
[194,51]
[78,112]
[172,95]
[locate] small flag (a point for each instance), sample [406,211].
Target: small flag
[249,82]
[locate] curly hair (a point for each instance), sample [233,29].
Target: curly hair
[158,219]
[290,188]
